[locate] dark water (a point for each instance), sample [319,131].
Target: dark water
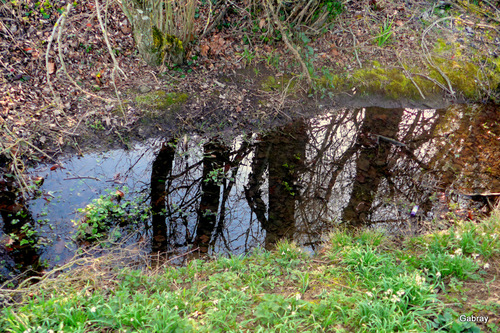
[396,169]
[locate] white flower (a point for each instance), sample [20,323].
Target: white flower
[419,280]
[297,296]
[216,301]
[452,256]
[486,266]
[438,274]
[50,331]
[400,293]
[458,237]
[176,307]
[93,309]
[395,299]
[131,319]
[458,252]
[369,294]
[474,255]
[388,291]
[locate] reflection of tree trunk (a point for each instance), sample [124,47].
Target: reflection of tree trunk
[162,166]
[15,216]
[285,164]
[372,162]
[283,152]
[214,161]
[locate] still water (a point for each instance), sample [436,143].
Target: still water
[395,169]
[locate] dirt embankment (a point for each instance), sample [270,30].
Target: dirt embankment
[239,77]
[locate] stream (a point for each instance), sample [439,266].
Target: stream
[404,171]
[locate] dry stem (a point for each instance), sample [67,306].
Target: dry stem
[61,58]
[272,12]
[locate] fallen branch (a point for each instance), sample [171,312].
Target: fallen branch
[355,49]
[427,56]
[209,28]
[61,58]
[49,45]
[409,76]
[115,62]
[277,22]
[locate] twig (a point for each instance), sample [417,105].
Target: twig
[429,58]
[409,76]
[439,84]
[63,64]
[215,22]
[49,45]
[271,12]
[355,49]
[82,177]
[115,62]
[208,19]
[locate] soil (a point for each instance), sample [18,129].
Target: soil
[234,82]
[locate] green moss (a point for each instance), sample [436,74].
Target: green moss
[282,83]
[167,46]
[160,99]
[463,76]
[390,82]
[336,82]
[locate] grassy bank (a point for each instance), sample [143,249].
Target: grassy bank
[364,283]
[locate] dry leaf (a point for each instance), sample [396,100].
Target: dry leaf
[262,22]
[204,50]
[51,67]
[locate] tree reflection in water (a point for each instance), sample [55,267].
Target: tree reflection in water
[361,167]
[19,250]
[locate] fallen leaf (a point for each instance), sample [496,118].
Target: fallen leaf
[204,50]
[119,193]
[51,67]
[262,23]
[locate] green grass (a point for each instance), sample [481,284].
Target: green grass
[359,283]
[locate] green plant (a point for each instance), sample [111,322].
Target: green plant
[447,322]
[217,176]
[248,56]
[385,33]
[96,125]
[108,212]
[288,188]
